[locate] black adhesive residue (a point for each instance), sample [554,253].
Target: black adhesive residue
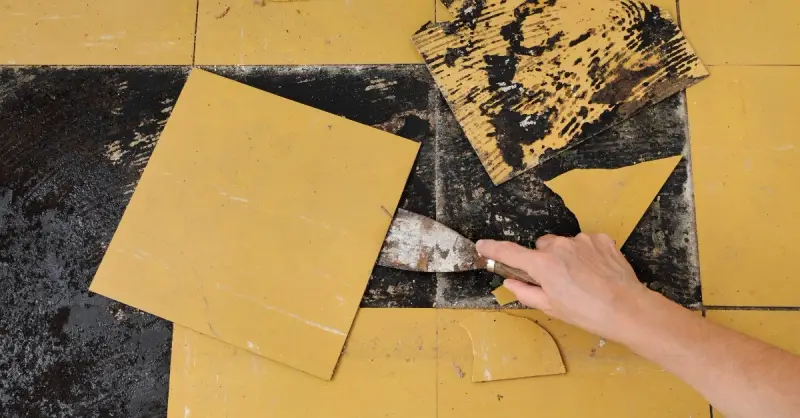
[581,38]
[514,129]
[621,86]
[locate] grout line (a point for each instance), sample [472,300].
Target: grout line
[751,308]
[692,204]
[436,363]
[196,20]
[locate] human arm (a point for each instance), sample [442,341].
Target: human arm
[587,282]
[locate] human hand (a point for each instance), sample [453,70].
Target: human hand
[585,281]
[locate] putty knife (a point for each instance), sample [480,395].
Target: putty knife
[418,243]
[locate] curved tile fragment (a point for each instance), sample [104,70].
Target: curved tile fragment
[508,347]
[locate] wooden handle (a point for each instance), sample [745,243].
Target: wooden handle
[512,273]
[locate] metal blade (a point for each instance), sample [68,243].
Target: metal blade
[419,243]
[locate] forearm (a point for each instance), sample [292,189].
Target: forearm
[740,376]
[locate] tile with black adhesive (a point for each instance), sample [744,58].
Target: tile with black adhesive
[527,80]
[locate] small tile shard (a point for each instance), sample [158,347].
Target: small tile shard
[509,347]
[613,201]
[526,79]
[504,296]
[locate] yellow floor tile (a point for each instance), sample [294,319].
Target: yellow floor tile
[388,369]
[310,32]
[745,149]
[108,32]
[258,221]
[778,328]
[603,379]
[743,32]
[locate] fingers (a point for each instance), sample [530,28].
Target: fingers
[508,253]
[528,295]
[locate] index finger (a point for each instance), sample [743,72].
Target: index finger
[511,254]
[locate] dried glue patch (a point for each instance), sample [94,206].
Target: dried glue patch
[527,79]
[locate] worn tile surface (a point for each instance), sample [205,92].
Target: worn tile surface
[109,32]
[247,32]
[743,32]
[745,152]
[266,239]
[528,79]
[387,369]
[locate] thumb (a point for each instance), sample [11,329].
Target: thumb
[528,295]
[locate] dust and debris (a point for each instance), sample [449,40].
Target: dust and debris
[459,371]
[380,84]
[222,13]
[261,3]
[114,152]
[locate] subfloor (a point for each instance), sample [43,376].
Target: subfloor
[85,90]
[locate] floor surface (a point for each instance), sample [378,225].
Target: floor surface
[86,89]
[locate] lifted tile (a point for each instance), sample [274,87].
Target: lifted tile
[600,378]
[528,80]
[310,32]
[743,124]
[388,368]
[109,32]
[743,32]
[229,237]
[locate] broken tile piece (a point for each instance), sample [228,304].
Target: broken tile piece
[526,79]
[504,296]
[310,32]
[743,126]
[508,347]
[613,201]
[257,222]
[388,368]
[108,32]
[602,376]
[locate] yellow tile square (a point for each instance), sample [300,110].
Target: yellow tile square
[603,379]
[744,157]
[743,32]
[108,32]
[388,369]
[258,221]
[310,32]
